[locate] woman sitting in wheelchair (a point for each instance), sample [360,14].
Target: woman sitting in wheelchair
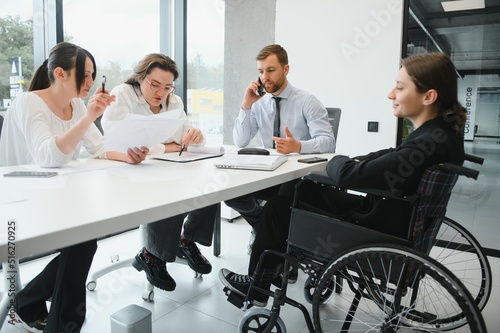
[426,93]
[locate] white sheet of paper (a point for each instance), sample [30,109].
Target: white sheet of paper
[142,131]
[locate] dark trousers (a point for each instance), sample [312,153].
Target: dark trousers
[162,237]
[248,205]
[63,280]
[199,225]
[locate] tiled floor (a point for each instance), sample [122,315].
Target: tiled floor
[199,305]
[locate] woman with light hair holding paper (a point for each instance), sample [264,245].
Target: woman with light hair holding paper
[149,91]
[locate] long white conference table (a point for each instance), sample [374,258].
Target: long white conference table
[93,198]
[90,199]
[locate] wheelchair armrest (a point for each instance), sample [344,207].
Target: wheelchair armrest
[322,177]
[458,169]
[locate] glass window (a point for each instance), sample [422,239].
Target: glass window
[16,49]
[205,67]
[118,33]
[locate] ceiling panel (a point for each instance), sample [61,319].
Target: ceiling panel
[471,38]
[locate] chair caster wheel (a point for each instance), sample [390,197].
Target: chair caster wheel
[198,275]
[148,295]
[91,285]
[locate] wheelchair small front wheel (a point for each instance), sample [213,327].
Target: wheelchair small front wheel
[257,320]
[310,289]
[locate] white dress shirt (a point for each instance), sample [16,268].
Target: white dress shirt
[302,112]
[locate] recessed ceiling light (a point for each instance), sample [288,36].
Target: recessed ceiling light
[451,6]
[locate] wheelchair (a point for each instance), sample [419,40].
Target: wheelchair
[364,280]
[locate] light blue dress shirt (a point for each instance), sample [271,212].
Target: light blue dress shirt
[302,112]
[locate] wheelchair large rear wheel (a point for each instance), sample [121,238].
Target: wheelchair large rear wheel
[388,288]
[457,249]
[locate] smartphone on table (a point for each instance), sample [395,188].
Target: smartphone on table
[31,174]
[312,160]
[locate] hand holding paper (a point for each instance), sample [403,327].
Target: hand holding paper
[142,131]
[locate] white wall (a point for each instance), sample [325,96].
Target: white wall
[346,53]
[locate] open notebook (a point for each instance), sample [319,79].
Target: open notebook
[251,162]
[193,153]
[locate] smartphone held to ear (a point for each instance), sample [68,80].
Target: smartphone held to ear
[260,91]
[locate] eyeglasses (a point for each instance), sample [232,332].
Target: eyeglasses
[155,87]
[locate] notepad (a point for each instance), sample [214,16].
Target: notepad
[251,162]
[193,153]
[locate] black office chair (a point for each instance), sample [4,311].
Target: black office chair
[1,124]
[334,118]
[148,291]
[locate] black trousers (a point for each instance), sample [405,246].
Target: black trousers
[63,281]
[162,237]
[199,225]
[248,205]
[381,215]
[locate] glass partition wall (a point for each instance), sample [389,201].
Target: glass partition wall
[469,35]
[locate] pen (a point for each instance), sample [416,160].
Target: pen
[103,82]
[183,145]
[182,148]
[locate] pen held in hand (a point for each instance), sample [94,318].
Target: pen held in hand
[183,145]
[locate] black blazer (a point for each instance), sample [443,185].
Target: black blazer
[400,168]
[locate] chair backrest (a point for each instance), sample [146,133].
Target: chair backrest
[434,192]
[334,118]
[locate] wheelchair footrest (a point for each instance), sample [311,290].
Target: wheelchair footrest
[236,299]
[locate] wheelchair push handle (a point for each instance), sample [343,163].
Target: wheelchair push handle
[474,159]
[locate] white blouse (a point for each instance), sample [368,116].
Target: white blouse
[130,100]
[30,130]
